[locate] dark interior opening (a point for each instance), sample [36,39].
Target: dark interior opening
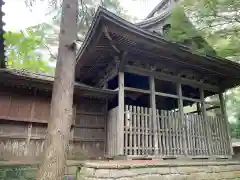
[136,81]
[113,83]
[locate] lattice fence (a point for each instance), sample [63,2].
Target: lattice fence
[194,136]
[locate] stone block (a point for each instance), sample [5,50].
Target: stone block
[71,170]
[189,170]
[3,171]
[102,173]
[173,177]
[30,174]
[70,177]
[234,167]
[141,171]
[126,178]
[228,175]
[226,168]
[85,171]
[144,177]
[197,176]
[164,170]
[121,173]
[237,174]
[155,177]
[213,169]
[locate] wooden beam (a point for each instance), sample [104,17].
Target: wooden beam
[111,71]
[171,78]
[206,126]
[111,41]
[191,99]
[154,112]
[136,90]
[160,94]
[199,110]
[120,122]
[176,51]
[182,121]
[123,61]
[226,123]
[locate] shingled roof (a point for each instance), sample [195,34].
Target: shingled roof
[159,21]
[146,45]
[25,78]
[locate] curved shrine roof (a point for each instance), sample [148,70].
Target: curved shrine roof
[99,49]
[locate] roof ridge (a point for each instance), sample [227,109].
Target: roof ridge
[161,3]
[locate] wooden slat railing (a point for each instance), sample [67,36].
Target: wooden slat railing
[139,134]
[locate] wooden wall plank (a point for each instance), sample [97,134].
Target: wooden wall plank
[146,130]
[120,122]
[138,130]
[134,130]
[131,131]
[159,132]
[142,136]
[126,130]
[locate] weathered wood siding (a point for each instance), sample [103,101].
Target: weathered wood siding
[24,107]
[23,126]
[112,132]
[89,132]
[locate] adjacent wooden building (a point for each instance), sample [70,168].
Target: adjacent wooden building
[131,90]
[25,109]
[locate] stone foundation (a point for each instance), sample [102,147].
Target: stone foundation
[163,170]
[28,171]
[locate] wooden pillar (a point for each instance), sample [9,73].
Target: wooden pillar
[180,107]
[198,108]
[226,123]
[153,112]
[120,122]
[206,126]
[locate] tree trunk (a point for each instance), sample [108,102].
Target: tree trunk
[57,140]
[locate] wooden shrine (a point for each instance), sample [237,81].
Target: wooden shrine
[136,95]
[156,81]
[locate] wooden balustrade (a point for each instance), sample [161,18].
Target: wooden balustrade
[139,134]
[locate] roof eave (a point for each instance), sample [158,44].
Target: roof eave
[48,83]
[112,18]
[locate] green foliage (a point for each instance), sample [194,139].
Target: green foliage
[182,31]
[218,21]
[21,49]
[235,129]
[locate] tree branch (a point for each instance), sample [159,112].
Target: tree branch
[51,54]
[86,19]
[214,25]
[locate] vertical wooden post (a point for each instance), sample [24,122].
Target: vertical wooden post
[28,139]
[183,123]
[224,113]
[204,115]
[120,122]
[154,112]
[198,108]
[106,128]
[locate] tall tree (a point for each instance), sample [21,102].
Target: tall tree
[57,140]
